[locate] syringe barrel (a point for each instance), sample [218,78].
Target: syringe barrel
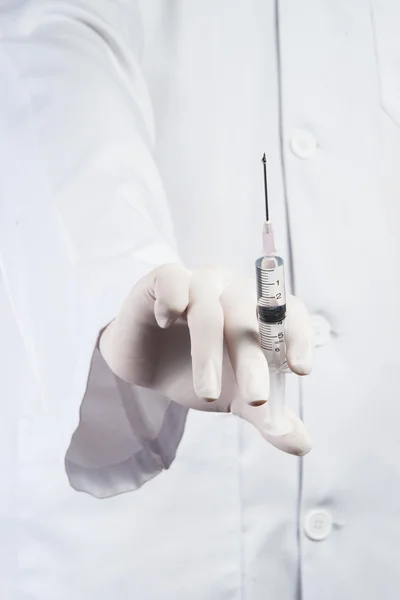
[271,306]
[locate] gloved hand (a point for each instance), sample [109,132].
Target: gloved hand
[169,336]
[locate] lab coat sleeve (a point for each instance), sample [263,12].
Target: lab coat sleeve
[83,217]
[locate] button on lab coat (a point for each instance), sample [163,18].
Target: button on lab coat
[131,135]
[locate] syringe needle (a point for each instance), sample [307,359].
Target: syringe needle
[264,161]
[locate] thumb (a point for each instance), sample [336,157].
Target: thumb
[296,441]
[170,290]
[162,296]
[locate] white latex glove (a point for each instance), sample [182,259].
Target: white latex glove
[169,337]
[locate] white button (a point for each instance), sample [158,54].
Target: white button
[303,143]
[318,525]
[322,330]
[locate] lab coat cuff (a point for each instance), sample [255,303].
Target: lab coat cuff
[135,470]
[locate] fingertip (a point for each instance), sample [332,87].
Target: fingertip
[252,374]
[207,380]
[299,338]
[306,449]
[296,442]
[171,292]
[163,321]
[164,315]
[168,310]
[300,360]
[300,368]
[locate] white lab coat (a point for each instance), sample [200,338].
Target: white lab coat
[97,100]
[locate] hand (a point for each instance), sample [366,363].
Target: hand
[193,337]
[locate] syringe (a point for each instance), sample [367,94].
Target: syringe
[271,307]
